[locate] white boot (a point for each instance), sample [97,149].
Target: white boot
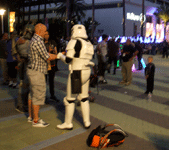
[69,111]
[86,114]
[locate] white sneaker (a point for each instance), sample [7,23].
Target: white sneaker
[15,85]
[40,123]
[10,83]
[30,119]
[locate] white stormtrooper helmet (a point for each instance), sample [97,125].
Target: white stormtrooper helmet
[78,31]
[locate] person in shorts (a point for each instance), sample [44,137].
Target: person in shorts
[36,70]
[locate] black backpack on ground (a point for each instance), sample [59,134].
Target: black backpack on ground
[102,138]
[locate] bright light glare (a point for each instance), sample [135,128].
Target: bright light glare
[2,11]
[133,68]
[100,39]
[143,63]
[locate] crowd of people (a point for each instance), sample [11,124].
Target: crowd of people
[34,56]
[10,63]
[14,61]
[109,51]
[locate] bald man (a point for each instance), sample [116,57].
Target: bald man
[37,68]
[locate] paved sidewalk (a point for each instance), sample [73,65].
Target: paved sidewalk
[147,123]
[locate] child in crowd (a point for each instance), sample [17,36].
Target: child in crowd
[149,75]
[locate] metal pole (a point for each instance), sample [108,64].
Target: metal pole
[38,12]
[93,18]
[124,18]
[29,16]
[2,24]
[142,21]
[68,17]
[45,10]
[8,21]
[23,16]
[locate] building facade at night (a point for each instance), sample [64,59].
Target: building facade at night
[109,13]
[111,19]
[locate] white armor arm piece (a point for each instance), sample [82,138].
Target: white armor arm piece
[70,51]
[90,64]
[61,57]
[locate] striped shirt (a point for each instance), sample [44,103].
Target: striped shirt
[38,54]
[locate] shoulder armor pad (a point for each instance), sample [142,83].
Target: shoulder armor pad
[70,48]
[71,44]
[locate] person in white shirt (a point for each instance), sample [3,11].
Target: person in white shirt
[102,58]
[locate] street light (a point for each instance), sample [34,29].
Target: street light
[2,11]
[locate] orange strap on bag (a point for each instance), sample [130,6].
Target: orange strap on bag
[101,138]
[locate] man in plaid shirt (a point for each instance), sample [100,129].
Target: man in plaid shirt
[37,68]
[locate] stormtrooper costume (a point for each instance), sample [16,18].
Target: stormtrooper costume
[79,52]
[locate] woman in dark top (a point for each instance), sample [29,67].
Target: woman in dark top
[51,47]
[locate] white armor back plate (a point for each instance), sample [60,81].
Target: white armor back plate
[86,54]
[87,49]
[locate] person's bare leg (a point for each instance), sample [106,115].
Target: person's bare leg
[30,108]
[36,112]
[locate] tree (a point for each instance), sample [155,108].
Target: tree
[163,13]
[77,8]
[72,10]
[57,28]
[88,25]
[93,17]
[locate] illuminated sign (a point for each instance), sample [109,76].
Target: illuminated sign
[11,21]
[132,16]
